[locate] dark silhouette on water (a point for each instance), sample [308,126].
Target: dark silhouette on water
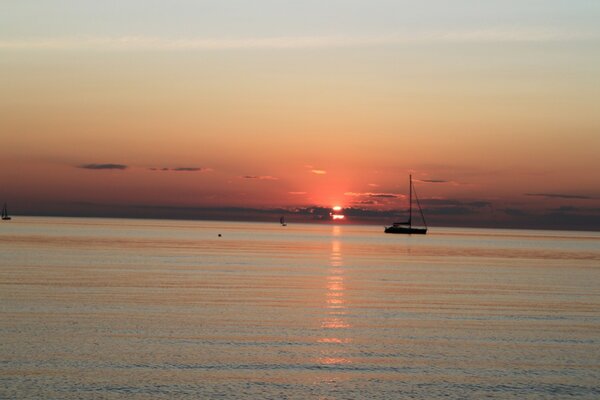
[282,221]
[5,216]
[406,227]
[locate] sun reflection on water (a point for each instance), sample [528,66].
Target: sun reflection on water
[335,322]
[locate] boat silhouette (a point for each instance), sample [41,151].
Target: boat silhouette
[5,216]
[406,227]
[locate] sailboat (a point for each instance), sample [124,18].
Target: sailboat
[5,216]
[406,227]
[282,221]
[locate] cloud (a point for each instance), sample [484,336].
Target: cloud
[431,180]
[560,196]
[515,212]
[103,166]
[479,204]
[141,42]
[260,177]
[452,207]
[438,202]
[297,193]
[181,169]
[314,170]
[375,195]
[441,181]
[186,169]
[564,217]
[551,212]
[449,211]
[369,213]
[572,209]
[373,185]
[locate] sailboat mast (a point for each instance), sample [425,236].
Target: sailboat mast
[410,200]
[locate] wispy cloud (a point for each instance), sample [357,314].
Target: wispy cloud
[314,170]
[441,181]
[297,193]
[571,209]
[441,202]
[560,196]
[187,169]
[375,195]
[103,166]
[181,169]
[431,180]
[260,177]
[141,42]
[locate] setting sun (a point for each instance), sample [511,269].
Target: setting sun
[336,213]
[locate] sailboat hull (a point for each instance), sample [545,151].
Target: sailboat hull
[407,230]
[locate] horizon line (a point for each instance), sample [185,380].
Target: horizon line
[503,225]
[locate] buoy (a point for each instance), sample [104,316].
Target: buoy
[219,235]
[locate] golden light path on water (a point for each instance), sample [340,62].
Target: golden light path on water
[112,309]
[335,322]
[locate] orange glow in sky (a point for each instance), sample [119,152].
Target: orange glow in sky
[274,113]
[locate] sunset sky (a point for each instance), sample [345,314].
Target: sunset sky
[133,107]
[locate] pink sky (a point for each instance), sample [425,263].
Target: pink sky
[501,117]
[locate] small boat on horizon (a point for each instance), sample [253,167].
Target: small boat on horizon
[5,216]
[406,227]
[282,221]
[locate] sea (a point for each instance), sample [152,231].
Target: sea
[164,309]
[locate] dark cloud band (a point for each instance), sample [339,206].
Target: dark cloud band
[559,196]
[103,166]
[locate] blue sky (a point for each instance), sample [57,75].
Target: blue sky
[267,19]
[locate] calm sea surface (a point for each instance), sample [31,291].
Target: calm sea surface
[142,309]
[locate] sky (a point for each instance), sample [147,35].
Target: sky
[239,109]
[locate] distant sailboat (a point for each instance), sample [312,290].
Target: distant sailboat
[406,227]
[5,216]
[282,221]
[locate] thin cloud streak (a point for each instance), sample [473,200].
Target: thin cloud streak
[376,195]
[431,180]
[187,169]
[559,196]
[181,169]
[441,181]
[141,42]
[103,166]
[260,177]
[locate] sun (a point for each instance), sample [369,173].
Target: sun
[336,213]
